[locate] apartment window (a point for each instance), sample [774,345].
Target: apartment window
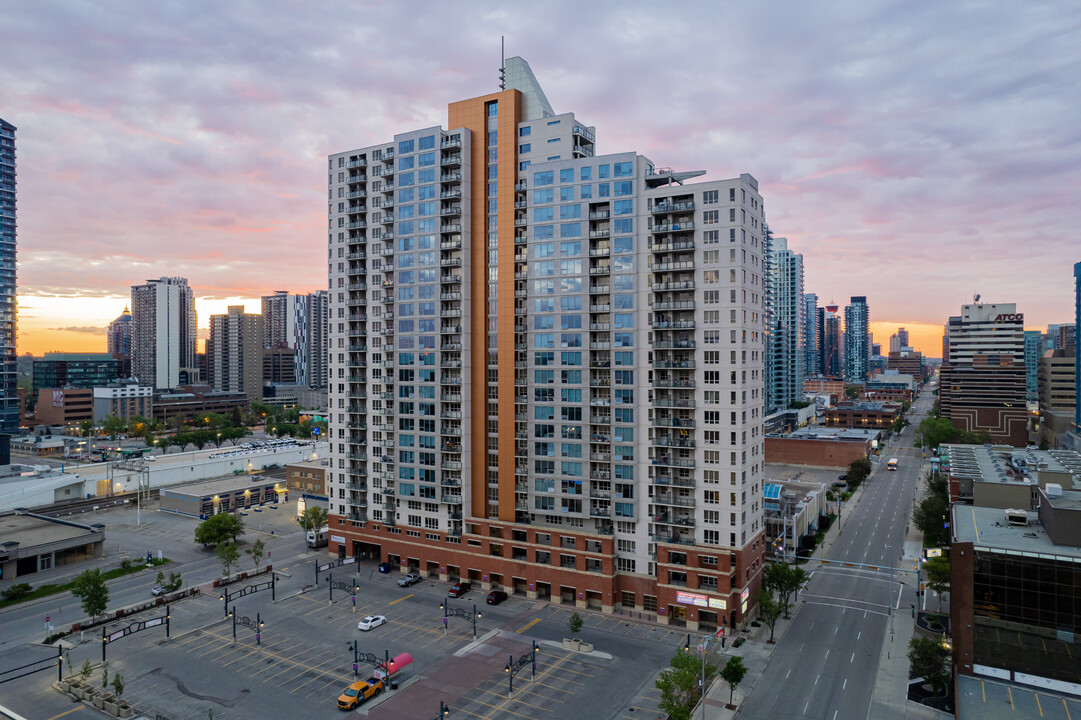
[711,217]
[524,148]
[527,130]
[710,197]
[493,109]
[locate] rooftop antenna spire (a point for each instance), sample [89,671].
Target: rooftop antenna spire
[502,64]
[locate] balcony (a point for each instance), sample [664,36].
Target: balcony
[454,160]
[454,142]
[451,228]
[664,207]
[451,210]
[450,177]
[662,228]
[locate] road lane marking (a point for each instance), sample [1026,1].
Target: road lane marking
[845,684]
[66,712]
[806,706]
[853,658]
[817,677]
[528,625]
[827,654]
[834,715]
[1067,707]
[788,673]
[1010,692]
[404,597]
[1038,705]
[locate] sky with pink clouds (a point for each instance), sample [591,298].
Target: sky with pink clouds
[914,152]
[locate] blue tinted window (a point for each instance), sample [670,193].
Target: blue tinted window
[426,143]
[405,146]
[406,163]
[543,196]
[426,176]
[624,187]
[570,248]
[585,192]
[602,171]
[623,207]
[624,169]
[566,175]
[544,232]
[543,178]
[426,159]
[405,179]
[544,214]
[525,131]
[568,230]
[586,174]
[570,212]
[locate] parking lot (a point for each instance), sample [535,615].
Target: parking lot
[303,659]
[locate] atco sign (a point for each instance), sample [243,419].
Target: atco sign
[1008,317]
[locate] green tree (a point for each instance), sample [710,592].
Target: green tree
[113,426]
[256,553]
[769,609]
[785,580]
[91,589]
[938,576]
[733,673]
[575,624]
[86,427]
[229,556]
[679,685]
[174,583]
[118,685]
[930,658]
[218,529]
[314,517]
[930,517]
[858,471]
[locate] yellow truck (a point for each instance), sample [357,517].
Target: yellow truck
[360,691]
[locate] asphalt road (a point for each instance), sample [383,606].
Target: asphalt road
[825,665]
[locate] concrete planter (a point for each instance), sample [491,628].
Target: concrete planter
[77,689]
[111,705]
[125,710]
[97,700]
[577,645]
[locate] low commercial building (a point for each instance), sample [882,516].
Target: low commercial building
[210,497]
[861,415]
[64,406]
[890,387]
[823,386]
[123,400]
[1015,592]
[821,446]
[32,486]
[906,362]
[792,514]
[307,477]
[191,401]
[30,543]
[1002,476]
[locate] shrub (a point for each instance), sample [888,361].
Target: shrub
[16,591]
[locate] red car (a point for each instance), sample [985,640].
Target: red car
[495,597]
[458,589]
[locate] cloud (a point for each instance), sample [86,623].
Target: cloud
[84,329]
[913,153]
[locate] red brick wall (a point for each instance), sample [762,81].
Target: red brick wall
[822,453]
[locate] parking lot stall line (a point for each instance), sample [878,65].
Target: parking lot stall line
[528,625]
[404,597]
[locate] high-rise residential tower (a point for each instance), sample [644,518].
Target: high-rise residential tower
[857,340]
[280,312]
[812,352]
[833,345]
[163,333]
[983,372]
[234,353]
[1033,348]
[548,373]
[313,316]
[785,333]
[9,397]
[299,322]
[118,336]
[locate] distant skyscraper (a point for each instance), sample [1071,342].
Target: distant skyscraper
[313,340]
[785,338]
[812,353]
[234,353]
[857,340]
[1077,352]
[280,312]
[983,372]
[163,333]
[300,322]
[902,335]
[118,336]
[833,345]
[1033,352]
[9,394]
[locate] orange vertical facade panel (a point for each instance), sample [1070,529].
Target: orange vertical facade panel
[472,114]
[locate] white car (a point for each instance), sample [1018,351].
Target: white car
[157,590]
[372,621]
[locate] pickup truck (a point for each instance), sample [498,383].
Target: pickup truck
[360,691]
[409,579]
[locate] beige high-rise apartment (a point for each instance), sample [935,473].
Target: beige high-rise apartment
[546,365]
[234,352]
